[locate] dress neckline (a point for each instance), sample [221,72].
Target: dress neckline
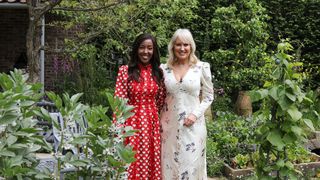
[182,77]
[146,67]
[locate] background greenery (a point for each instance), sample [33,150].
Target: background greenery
[237,37]
[234,36]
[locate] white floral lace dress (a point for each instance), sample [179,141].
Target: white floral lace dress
[183,151]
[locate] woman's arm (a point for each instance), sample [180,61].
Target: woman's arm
[206,90]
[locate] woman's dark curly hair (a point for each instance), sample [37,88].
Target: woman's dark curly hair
[134,72]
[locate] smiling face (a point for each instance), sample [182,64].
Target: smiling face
[181,50]
[145,51]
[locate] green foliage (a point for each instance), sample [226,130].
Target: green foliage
[114,28]
[242,161]
[237,49]
[297,20]
[104,153]
[215,164]
[222,103]
[312,111]
[285,125]
[228,136]
[108,35]
[18,132]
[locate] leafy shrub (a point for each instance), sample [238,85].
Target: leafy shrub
[104,153]
[228,136]
[18,133]
[285,112]
[100,149]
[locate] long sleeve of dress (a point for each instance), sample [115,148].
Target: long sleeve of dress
[121,89]
[161,95]
[206,90]
[122,83]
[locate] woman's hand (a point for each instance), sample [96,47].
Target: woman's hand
[190,120]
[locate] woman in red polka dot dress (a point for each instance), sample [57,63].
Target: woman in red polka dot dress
[141,82]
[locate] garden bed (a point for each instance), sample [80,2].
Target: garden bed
[305,168]
[232,173]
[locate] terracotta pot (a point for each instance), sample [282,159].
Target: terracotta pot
[243,106]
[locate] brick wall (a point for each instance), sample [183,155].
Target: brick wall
[54,38]
[54,70]
[13,29]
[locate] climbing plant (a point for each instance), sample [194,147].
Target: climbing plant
[283,108]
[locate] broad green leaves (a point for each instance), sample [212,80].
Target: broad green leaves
[274,137]
[237,31]
[285,112]
[102,140]
[18,135]
[105,155]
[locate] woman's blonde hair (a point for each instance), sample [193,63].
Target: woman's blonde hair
[186,37]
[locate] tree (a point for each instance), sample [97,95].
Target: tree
[285,111]
[298,21]
[108,36]
[37,9]
[234,42]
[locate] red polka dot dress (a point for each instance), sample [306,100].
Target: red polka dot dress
[147,97]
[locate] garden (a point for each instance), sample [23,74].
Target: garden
[263,124]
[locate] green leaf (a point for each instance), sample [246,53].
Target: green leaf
[111,100]
[16,161]
[289,138]
[289,83]
[292,97]
[277,73]
[280,163]
[30,130]
[297,130]
[19,146]
[126,153]
[76,97]
[42,176]
[294,113]
[21,133]
[5,152]
[309,123]
[11,139]
[273,92]
[45,115]
[78,163]
[284,103]
[8,119]
[26,103]
[34,148]
[129,132]
[274,137]
[289,165]
[127,115]
[114,163]
[258,95]
[79,140]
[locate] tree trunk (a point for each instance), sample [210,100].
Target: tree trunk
[32,44]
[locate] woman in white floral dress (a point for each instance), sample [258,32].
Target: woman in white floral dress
[183,151]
